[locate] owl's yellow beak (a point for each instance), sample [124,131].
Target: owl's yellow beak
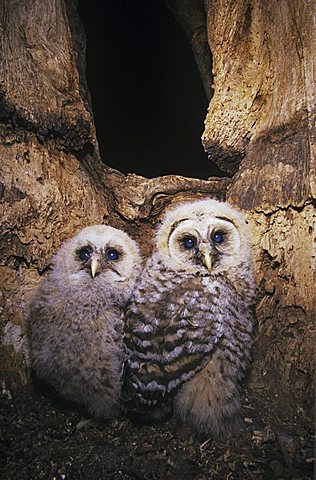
[207,260]
[94,266]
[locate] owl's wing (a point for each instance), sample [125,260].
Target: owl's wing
[168,341]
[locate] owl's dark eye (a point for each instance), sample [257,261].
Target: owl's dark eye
[84,254]
[112,254]
[189,242]
[218,236]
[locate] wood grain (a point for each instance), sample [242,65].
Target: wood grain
[260,128]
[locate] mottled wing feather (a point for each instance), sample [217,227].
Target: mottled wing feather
[168,341]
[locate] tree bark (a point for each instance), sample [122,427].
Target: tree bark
[260,128]
[261,124]
[53,181]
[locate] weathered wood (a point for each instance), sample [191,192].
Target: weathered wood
[264,80]
[52,181]
[39,87]
[46,196]
[260,128]
[285,269]
[262,115]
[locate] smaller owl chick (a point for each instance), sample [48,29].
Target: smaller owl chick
[190,318]
[75,326]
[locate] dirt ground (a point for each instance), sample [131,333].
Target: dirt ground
[43,438]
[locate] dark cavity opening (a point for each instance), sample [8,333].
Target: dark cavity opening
[148,100]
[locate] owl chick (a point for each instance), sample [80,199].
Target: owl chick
[75,326]
[190,319]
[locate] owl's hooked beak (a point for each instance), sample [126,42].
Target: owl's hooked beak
[94,266]
[207,260]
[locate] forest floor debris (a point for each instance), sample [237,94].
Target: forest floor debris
[43,438]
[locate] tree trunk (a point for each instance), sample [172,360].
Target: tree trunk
[264,69]
[259,127]
[261,124]
[52,179]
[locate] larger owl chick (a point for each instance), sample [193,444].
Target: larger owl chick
[190,319]
[75,326]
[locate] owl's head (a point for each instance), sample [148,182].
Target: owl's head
[98,256]
[203,237]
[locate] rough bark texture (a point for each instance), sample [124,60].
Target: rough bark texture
[262,114]
[264,80]
[53,181]
[39,79]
